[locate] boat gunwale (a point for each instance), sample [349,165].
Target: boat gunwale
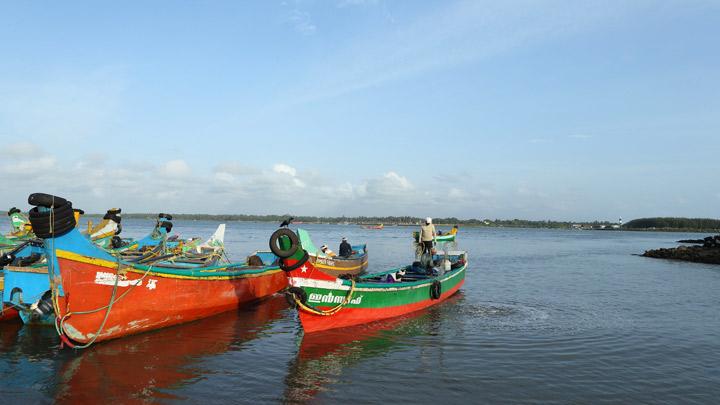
[397,286]
[199,273]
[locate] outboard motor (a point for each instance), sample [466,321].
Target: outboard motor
[44,305]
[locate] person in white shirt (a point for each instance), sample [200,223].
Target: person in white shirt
[427,235]
[327,251]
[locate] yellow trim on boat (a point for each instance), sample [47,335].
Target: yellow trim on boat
[64,254]
[322,266]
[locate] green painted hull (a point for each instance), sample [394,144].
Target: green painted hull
[371,301]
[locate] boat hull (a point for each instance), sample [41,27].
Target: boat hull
[155,301]
[336,266]
[445,238]
[369,304]
[8,313]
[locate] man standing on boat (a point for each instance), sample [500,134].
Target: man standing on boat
[427,235]
[345,248]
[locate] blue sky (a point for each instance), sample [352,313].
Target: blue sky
[519,109]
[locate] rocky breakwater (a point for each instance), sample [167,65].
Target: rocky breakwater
[706,250]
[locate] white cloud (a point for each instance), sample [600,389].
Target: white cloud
[224,177]
[26,159]
[30,166]
[176,168]
[456,193]
[235,168]
[20,149]
[283,168]
[387,186]
[95,183]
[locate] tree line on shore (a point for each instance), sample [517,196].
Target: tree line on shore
[387,220]
[654,223]
[671,223]
[657,223]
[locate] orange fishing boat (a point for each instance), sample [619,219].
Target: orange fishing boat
[97,296]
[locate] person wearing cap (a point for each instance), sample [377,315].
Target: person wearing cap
[326,251]
[427,235]
[345,248]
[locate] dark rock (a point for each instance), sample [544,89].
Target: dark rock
[698,254]
[698,241]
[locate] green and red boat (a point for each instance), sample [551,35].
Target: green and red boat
[326,302]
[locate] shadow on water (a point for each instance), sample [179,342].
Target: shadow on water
[322,356]
[146,367]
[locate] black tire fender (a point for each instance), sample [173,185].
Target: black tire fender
[45,200]
[294,243]
[62,216]
[435,290]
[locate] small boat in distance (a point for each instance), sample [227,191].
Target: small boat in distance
[378,226]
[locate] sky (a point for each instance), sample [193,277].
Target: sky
[560,110]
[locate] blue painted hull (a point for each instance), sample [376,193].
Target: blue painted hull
[25,286]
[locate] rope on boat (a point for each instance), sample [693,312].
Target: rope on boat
[330,311]
[108,307]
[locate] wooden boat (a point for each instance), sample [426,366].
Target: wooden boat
[97,296]
[19,233]
[28,287]
[377,227]
[333,265]
[447,237]
[326,302]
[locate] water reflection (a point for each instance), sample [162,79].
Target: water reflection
[323,356]
[148,366]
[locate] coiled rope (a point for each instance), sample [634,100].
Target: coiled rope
[326,312]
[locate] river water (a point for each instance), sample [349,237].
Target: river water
[545,316]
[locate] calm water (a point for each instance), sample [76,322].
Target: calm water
[544,316]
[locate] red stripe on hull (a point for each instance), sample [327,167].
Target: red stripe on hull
[156,303]
[8,313]
[356,316]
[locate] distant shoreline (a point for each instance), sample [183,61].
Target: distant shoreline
[408,221]
[526,224]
